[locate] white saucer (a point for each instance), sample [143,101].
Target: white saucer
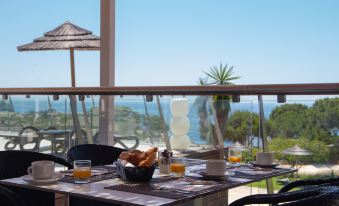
[56,177]
[207,176]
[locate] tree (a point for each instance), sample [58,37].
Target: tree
[287,120]
[201,104]
[321,118]
[241,125]
[319,150]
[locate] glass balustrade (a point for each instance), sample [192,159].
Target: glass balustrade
[141,122]
[193,126]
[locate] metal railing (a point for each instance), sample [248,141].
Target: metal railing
[257,89]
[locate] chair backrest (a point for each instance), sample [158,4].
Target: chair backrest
[324,196]
[98,154]
[15,163]
[328,196]
[9,198]
[310,182]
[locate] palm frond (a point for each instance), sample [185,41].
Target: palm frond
[203,81]
[221,75]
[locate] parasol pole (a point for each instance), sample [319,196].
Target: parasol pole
[71,52]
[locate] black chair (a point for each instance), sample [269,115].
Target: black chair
[98,154]
[15,163]
[9,198]
[324,196]
[310,183]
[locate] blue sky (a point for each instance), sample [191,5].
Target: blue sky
[171,42]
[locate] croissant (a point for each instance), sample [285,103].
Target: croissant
[139,158]
[148,161]
[124,155]
[151,155]
[133,159]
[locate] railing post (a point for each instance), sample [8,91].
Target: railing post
[76,123]
[163,125]
[217,130]
[263,137]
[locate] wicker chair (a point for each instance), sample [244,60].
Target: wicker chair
[15,163]
[310,183]
[9,198]
[324,196]
[98,154]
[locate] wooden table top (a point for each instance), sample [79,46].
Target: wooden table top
[97,191]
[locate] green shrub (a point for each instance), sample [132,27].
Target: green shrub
[320,152]
[249,155]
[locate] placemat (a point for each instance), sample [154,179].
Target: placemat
[256,173]
[245,172]
[148,188]
[110,174]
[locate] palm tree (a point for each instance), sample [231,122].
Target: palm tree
[201,104]
[219,75]
[222,75]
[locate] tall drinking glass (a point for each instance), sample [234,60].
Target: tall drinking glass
[178,166]
[82,171]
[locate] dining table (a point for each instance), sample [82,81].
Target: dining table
[108,188]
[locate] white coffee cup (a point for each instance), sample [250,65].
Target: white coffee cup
[41,169]
[215,167]
[264,158]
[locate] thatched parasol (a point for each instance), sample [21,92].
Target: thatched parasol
[297,151]
[65,37]
[68,37]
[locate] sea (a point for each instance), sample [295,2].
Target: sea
[138,104]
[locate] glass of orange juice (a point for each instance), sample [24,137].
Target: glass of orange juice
[234,156]
[178,166]
[82,171]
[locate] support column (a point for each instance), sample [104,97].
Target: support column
[107,67]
